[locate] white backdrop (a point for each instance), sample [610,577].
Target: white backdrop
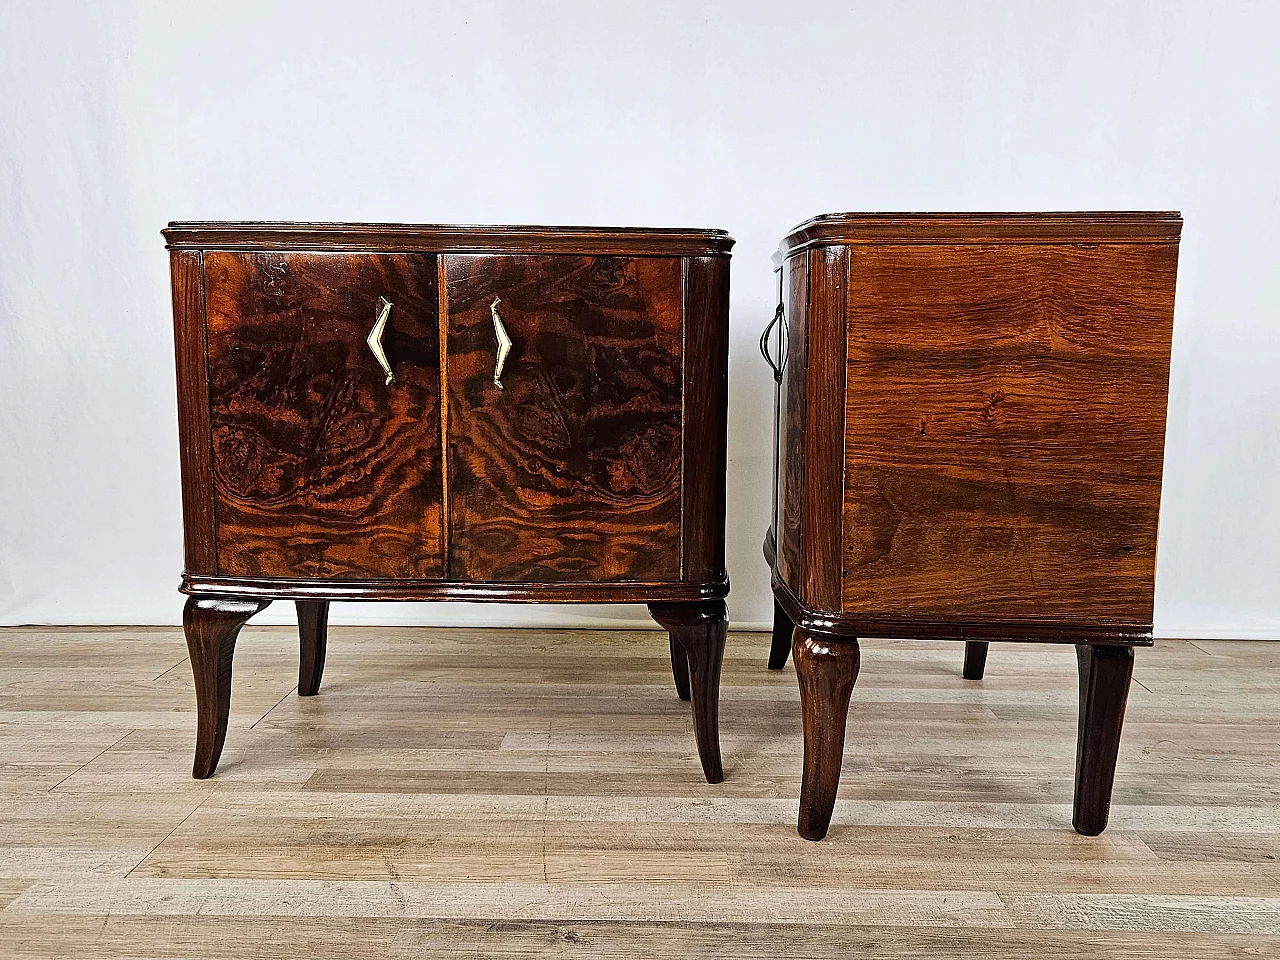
[117,117]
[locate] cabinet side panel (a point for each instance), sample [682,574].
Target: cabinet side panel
[194,436]
[706,397]
[790,450]
[1005,430]
[824,428]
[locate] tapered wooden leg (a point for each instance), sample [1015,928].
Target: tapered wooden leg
[212,625]
[313,633]
[679,667]
[1105,672]
[975,659]
[781,645]
[700,629]
[826,668]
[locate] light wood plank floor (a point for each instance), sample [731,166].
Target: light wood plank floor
[506,793]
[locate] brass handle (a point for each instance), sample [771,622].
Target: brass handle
[504,342]
[781,365]
[375,338]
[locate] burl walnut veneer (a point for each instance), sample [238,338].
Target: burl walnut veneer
[391,412]
[969,442]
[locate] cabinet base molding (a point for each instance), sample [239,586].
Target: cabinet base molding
[908,628]
[417,590]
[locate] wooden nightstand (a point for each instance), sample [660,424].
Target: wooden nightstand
[393,412]
[970,436]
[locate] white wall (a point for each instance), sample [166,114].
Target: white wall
[117,117]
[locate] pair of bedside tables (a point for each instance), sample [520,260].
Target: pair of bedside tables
[969,439]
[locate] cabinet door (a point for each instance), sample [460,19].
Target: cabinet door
[571,471]
[320,467]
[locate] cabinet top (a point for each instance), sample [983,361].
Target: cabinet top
[1076,227]
[446,238]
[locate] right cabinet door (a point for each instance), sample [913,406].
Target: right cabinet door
[570,471]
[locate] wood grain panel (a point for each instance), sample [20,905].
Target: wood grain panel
[187,276]
[320,469]
[706,398]
[572,471]
[1005,430]
[824,429]
[790,453]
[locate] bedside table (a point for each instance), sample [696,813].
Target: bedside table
[395,412]
[969,427]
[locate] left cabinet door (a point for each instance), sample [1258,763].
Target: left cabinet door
[322,469]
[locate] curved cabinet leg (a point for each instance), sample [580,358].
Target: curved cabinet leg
[975,659]
[700,630]
[679,667]
[1105,672]
[826,668]
[313,634]
[782,630]
[211,625]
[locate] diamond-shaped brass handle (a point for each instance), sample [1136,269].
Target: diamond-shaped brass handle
[375,338]
[504,342]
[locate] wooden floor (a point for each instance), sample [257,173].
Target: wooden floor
[510,793]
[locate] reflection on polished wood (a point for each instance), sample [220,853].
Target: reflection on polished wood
[518,793]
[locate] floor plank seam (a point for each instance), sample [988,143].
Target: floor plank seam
[289,693]
[89,761]
[173,668]
[177,827]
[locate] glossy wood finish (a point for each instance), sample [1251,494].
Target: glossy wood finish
[791,426]
[824,334]
[313,639]
[975,659]
[458,238]
[187,280]
[1005,430]
[826,670]
[1105,673]
[701,629]
[572,471]
[1079,227]
[596,475]
[842,625]
[705,370]
[629,591]
[972,440]
[211,626]
[1001,384]
[320,468]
